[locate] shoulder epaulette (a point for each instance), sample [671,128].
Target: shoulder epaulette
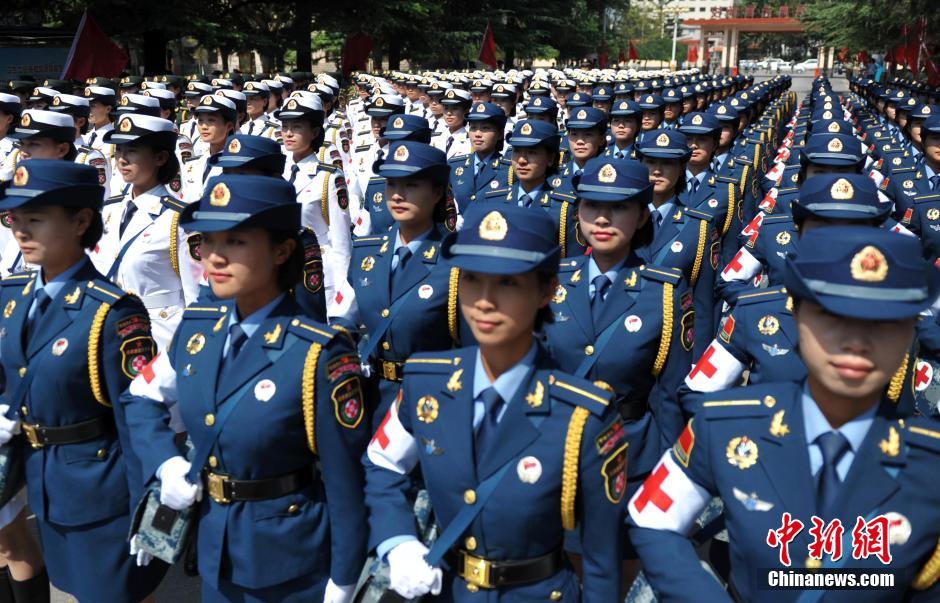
[499,192]
[369,241]
[562,197]
[662,274]
[578,392]
[432,362]
[376,179]
[328,167]
[730,179]
[926,197]
[777,218]
[208,310]
[698,214]
[762,296]
[105,291]
[754,401]
[18,279]
[172,203]
[458,159]
[192,158]
[362,147]
[313,331]
[922,433]
[114,199]
[787,190]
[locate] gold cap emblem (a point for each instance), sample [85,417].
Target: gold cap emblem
[125,125]
[581,114]
[56,101]
[124,101]
[25,120]
[398,123]
[220,195]
[87,91]
[526,129]
[649,98]
[494,227]
[833,128]
[234,146]
[380,102]
[292,104]
[835,146]
[206,100]
[662,140]
[481,108]
[869,265]
[538,101]
[697,120]
[827,115]
[450,93]
[401,153]
[607,174]
[21,177]
[842,190]
[721,110]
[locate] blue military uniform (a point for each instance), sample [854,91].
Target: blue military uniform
[541,454]
[856,272]
[76,444]
[261,412]
[471,175]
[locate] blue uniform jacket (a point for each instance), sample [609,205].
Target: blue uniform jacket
[557,479]
[645,359]
[93,481]
[562,207]
[297,395]
[466,186]
[761,480]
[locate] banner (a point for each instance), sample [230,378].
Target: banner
[93,53]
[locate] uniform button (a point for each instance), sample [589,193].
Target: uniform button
[469,497]
[101,453]
[24,410]
[813,564]
[555,596]
[770,401]
[470,543]
[385,346]
[589,350]
[385,313]
[163,314]
[22,371]
[213,462]
[293,509]
[210,419]
[472,587]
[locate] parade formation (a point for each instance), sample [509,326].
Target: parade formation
[485,335]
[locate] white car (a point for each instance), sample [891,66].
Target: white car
[807,65]
[767,63]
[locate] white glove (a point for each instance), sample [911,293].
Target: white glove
[176,491]
[143,557]
[410,575]
[8,428]
[338,594]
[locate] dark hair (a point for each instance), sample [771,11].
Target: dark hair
[72,152]
[545,315]
[168,171]
[95,229]
[291,272]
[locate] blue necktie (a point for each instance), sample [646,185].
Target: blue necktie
[398,268]
[601,285]
[293,173]
[833,446]
[525,200]
[935,182]
[237,339]
[42,304]
[129,212]
[486,432]
[693,186]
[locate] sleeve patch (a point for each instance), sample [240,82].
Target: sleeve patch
[194,242]
[313,269]
[342,365]
[133,325]
[682,449]
[610,437]
[614,471]
[688,330]
[348,402]
[727,328]
[136,354]
[342,195]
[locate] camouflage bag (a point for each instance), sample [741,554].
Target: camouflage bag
[161,531]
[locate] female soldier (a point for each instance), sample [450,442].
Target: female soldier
[828,449]
[503,439]
[85,339]
[471,174]
[267,393]
[143,246]
[216,118]
[586,130]
[610,300]
[398,288]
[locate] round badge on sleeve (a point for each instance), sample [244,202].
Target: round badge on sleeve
[529,469]
[265,390]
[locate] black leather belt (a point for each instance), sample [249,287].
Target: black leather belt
[224,490]
[487,573]
[45,435]
[632,410]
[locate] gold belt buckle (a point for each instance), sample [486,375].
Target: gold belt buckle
[216,485]
[476,571]
[389,371]
[32,435]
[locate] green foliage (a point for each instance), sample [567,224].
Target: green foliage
[872,25]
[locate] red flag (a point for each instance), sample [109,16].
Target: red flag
[93,53]
[356,53]
[863,57]
[693,54]
[632,54]
[602,57]
[488,48]
[621,57]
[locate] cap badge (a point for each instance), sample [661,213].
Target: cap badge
[234,146]
[538,101]
[191,86]
[87,91]
[450,93]
[623,106]
[662,140]
[25,120]
[220,195]
[206,100]
[526,129]
[493,227]
[869,265]
[697,120]
[481,108]
[21,177]
[925,110]
[56,101]
[649,98]
[842,190]
[125,125]
[401,153]
[398,123]
[835,146]
[607,174]
[833,128]
[582,114]
[827,115]
[380,102]
[292,104]
[721,110]
[124,101]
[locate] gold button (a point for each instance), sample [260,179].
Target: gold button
[22,371]
[102,453]
[770,401]
[470,543]
[24,410]
[213,462]
[163,314]
[294,322]
[385,346]
[472,587]
[469,497]
[91,284]
[589,350]
[385,313]
[210,419]
[813,564]
[293,509]
[555,596]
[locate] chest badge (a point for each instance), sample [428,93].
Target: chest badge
[633,323]
[774,350]
[783,238]
[768,325]
[742,452]
[425,291]
[196,343]
[560,294]
[529,470]
[899,528]
[676,246]
[368,263]
[751,502]
[431,447]
[428,408]
[59,346]
[778,428]
[265,390]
